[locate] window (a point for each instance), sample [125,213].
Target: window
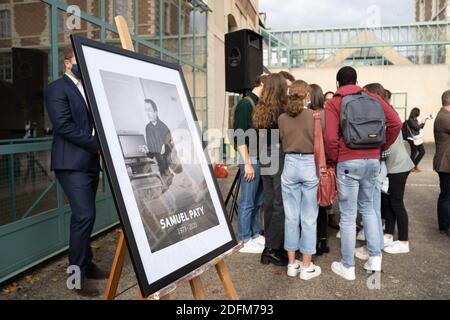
[5,67]
[61,21]
[5,24]
[435,9]
[121,8]
[399,101]
[422,10]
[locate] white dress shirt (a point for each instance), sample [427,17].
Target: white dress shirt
[80,88]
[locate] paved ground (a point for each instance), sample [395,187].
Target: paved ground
[422,274]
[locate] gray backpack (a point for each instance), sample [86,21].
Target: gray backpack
[363,122]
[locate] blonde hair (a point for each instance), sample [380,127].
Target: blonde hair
[298,92]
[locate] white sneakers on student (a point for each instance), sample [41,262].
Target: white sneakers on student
[388,241]
[261,240]
[373,264]
[362,253]
[346,273]
[361,236]
[294,269]
[397,247]
[252,246]
[311,272]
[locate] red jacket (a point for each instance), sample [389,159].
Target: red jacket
[335,147]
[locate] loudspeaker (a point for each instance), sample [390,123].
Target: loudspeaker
[243,59]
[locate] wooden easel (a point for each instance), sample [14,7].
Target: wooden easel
[121,250]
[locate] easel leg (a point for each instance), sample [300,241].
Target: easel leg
[224,276]
[116,269]
[197,288]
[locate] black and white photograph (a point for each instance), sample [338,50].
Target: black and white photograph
[167,198]
[172,194]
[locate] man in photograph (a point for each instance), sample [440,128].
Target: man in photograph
[75,160]
[159,141]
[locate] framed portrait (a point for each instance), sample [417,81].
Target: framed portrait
[167,198]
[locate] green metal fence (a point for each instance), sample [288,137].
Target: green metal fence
[34,212]
[418,43]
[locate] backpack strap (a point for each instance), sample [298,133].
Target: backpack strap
[319,148]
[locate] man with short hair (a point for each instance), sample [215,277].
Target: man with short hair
[158,138]
[75,160]
[357,171]
[441,162]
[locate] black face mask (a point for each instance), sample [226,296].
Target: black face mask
[76,71]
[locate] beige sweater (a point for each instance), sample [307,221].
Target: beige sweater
[297,134]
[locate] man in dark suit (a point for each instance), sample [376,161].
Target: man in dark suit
[75,160]
[441,162]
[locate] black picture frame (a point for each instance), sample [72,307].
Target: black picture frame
[146,287]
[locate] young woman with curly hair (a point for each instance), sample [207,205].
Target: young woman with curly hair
[299,182]
[271,158]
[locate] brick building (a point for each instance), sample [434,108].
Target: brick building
[432,10]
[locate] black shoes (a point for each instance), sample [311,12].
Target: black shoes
[87,289]
[446,232]
[322,247]
[94,272]
[277,257]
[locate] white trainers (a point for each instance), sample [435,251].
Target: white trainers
[361,236]
[362,253]
[397,247]
[252,246]
[311,272]
[260,240]
[346,273]
[373,264]
[388,241]
[338,234]
[294,269]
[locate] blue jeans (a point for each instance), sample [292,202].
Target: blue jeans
[356,180]
[377,200]
[299,183]
[252,198]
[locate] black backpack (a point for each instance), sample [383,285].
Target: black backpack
[363,122]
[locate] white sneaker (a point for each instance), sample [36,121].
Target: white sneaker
[311,272]
[294,269]
[260,240]
[346,273]
[338,234]
[362,253]
[361,236]
[252,246]
[397,247]
[388,241]
[373,264]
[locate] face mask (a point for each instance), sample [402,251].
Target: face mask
[76,71]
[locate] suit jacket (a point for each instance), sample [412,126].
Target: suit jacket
[74,147]
[441,161]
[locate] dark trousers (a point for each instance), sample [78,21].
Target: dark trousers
[322,224]
[393,207]
[444,202]
[163,160]
[81,189]
[273,209]
[417,152]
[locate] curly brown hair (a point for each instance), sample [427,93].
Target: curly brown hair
[273,100]
[298,92]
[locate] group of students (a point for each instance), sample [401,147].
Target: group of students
[281,176]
